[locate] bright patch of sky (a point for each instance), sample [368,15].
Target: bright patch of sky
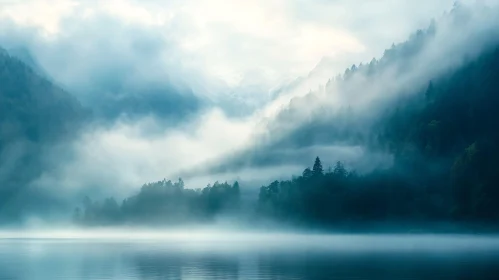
[256,42]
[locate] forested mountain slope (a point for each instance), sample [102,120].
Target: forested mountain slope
[444,142]
[429,104]
[34,115]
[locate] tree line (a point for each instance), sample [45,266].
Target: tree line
[443,137]
[162,203]
[444,142]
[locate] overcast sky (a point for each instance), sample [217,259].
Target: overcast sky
[236,42]
[210,48]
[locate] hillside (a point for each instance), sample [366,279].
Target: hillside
[34,116]
[445,168]
[429,108]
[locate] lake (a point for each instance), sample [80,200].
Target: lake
[248,256]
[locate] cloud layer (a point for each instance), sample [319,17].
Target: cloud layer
[219,72]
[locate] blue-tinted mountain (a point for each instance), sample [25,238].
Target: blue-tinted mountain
[35,115]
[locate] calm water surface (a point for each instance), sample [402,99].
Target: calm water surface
[257,257]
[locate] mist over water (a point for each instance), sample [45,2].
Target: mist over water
[244,255]
[106,107]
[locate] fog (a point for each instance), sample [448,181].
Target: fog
[256,240]
[250,257]
[291,117]
[244,99]
[268,138]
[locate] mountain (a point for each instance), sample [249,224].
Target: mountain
[444,174]
[428,104]
[27,58]
[412,135]
[343,119]
[35,115]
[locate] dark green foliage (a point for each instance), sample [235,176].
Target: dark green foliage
[443,138]
[317,169]
[442,133]
[341,197]
[446,157]
[163,203]
[446,161]
[453,135]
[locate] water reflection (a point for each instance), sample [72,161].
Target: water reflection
[380,266]
[161,259]
[178,265]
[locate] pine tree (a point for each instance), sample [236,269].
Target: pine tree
[340,170]
[235,188]
[317,169]
[307,173]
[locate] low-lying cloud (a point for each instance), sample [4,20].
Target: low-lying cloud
[196,64]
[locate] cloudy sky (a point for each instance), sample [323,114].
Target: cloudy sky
[218,61]
[238,43]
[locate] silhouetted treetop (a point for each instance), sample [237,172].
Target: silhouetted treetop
[317,169]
